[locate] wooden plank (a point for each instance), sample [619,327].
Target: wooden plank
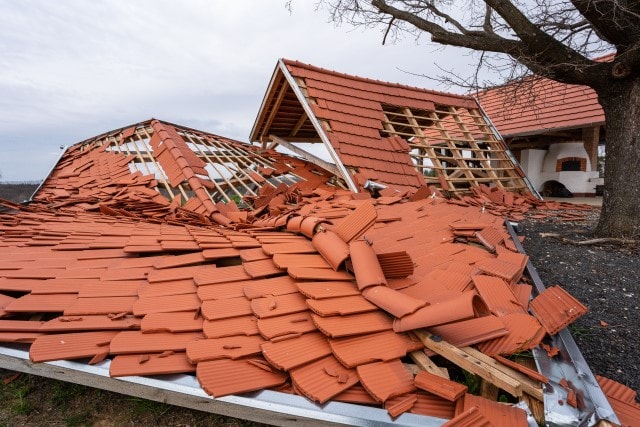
[426,364]
[470,363]
[307,156]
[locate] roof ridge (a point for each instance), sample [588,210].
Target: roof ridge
[370,80]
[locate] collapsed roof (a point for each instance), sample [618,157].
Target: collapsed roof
[156,249]
[385,132]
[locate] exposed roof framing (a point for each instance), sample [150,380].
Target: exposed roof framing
[386,132]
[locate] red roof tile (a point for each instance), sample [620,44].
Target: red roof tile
[384,380]
[91,323]
[469,418]
[150,364]
[439,386]
[320,290]
[104,305]
[322,379]
[132,342]
[166,304]
[332,248]
[242,325]
[225,308]
[40,303]
[341,306]
[555,308]
[228,347]
[497,294]
[501,415]
[186,321]
[524,333]
[70,346]
[381,346]
[355,324]
[225,376]
[298,323]
[366,265]
[472,331]
[392,301]
[290,353]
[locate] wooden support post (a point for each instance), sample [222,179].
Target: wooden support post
[590,138]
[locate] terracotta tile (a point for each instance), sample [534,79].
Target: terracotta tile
[451,280]
[616,390]
[123,274]
[298,323]
[281,285]
[322,379]
[355,324]
[307,273]
[357,222]
[503,269]
[439,386]
[366,265]
[341,306]
[225,376]
[91,323]
[289,248]
[291,353]
[133,342]
[21,285]
[469,418]
[177,287]
[301,260]
[396,264]
[384,380]
[110,289]
[356,394]
[392,301]
[522,292]
[166,304]
[462,307]
[212,276]
[180,260]
[381,346]
[321,290]
[525,332]
[555,308]
[41,303]
[497,294]
[331,247]
[20,325]
[490,237]
[433,406]
[222,290]
[70,346]
[254,254]
[262,268]
[226,308]
[397,406]
[472,331]
[428,289]
[533,374]
[626,412]
[19,337]
[279,305]
[104,305]
[62,286]
[501,415]
[185,321]
[179,273]
[150,364]
[242,325]
[229,347]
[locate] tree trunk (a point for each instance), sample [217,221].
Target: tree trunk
[620,215]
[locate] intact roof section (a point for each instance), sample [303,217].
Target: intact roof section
[389,133]
[540,105]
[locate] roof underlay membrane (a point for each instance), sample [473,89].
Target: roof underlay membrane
[159,250]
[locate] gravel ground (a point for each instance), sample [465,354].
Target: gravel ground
[606,280]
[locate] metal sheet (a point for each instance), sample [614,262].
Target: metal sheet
[183,390]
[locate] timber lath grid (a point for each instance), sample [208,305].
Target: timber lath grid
[454,147]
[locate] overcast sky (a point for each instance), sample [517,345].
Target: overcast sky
[72,69]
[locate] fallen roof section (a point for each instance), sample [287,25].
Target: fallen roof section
[389,133]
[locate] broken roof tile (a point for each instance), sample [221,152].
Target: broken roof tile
[75,345]
[469,418]
[225,376]
[366,265]
[297,323]
[322,379]
[185,321]
[166,304]
[384,380]
[381,346]
[150,364]
[212,275]
[501,415]
[340,306]
[321,290]
[555,308]
[132,342]
[392,301]
[287,354]
[91,323]
[226,308]
[309,273]
[233,347]
[272,305]
[472,331]
[439,386]
[242,325]
[104,305]
[301,260]
[41,303]
[357,222]
[497,294]
[525,332]
[355,324]
[331,247]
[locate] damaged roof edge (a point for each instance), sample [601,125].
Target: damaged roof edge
[64,149]
[316,124]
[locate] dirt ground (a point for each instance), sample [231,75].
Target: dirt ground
[603,277]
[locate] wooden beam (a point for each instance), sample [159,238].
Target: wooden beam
[426,364]
[306,155]
[276,106]
[296,128]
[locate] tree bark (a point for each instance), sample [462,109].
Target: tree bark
[620,215]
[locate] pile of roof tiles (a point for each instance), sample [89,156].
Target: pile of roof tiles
[329,298]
